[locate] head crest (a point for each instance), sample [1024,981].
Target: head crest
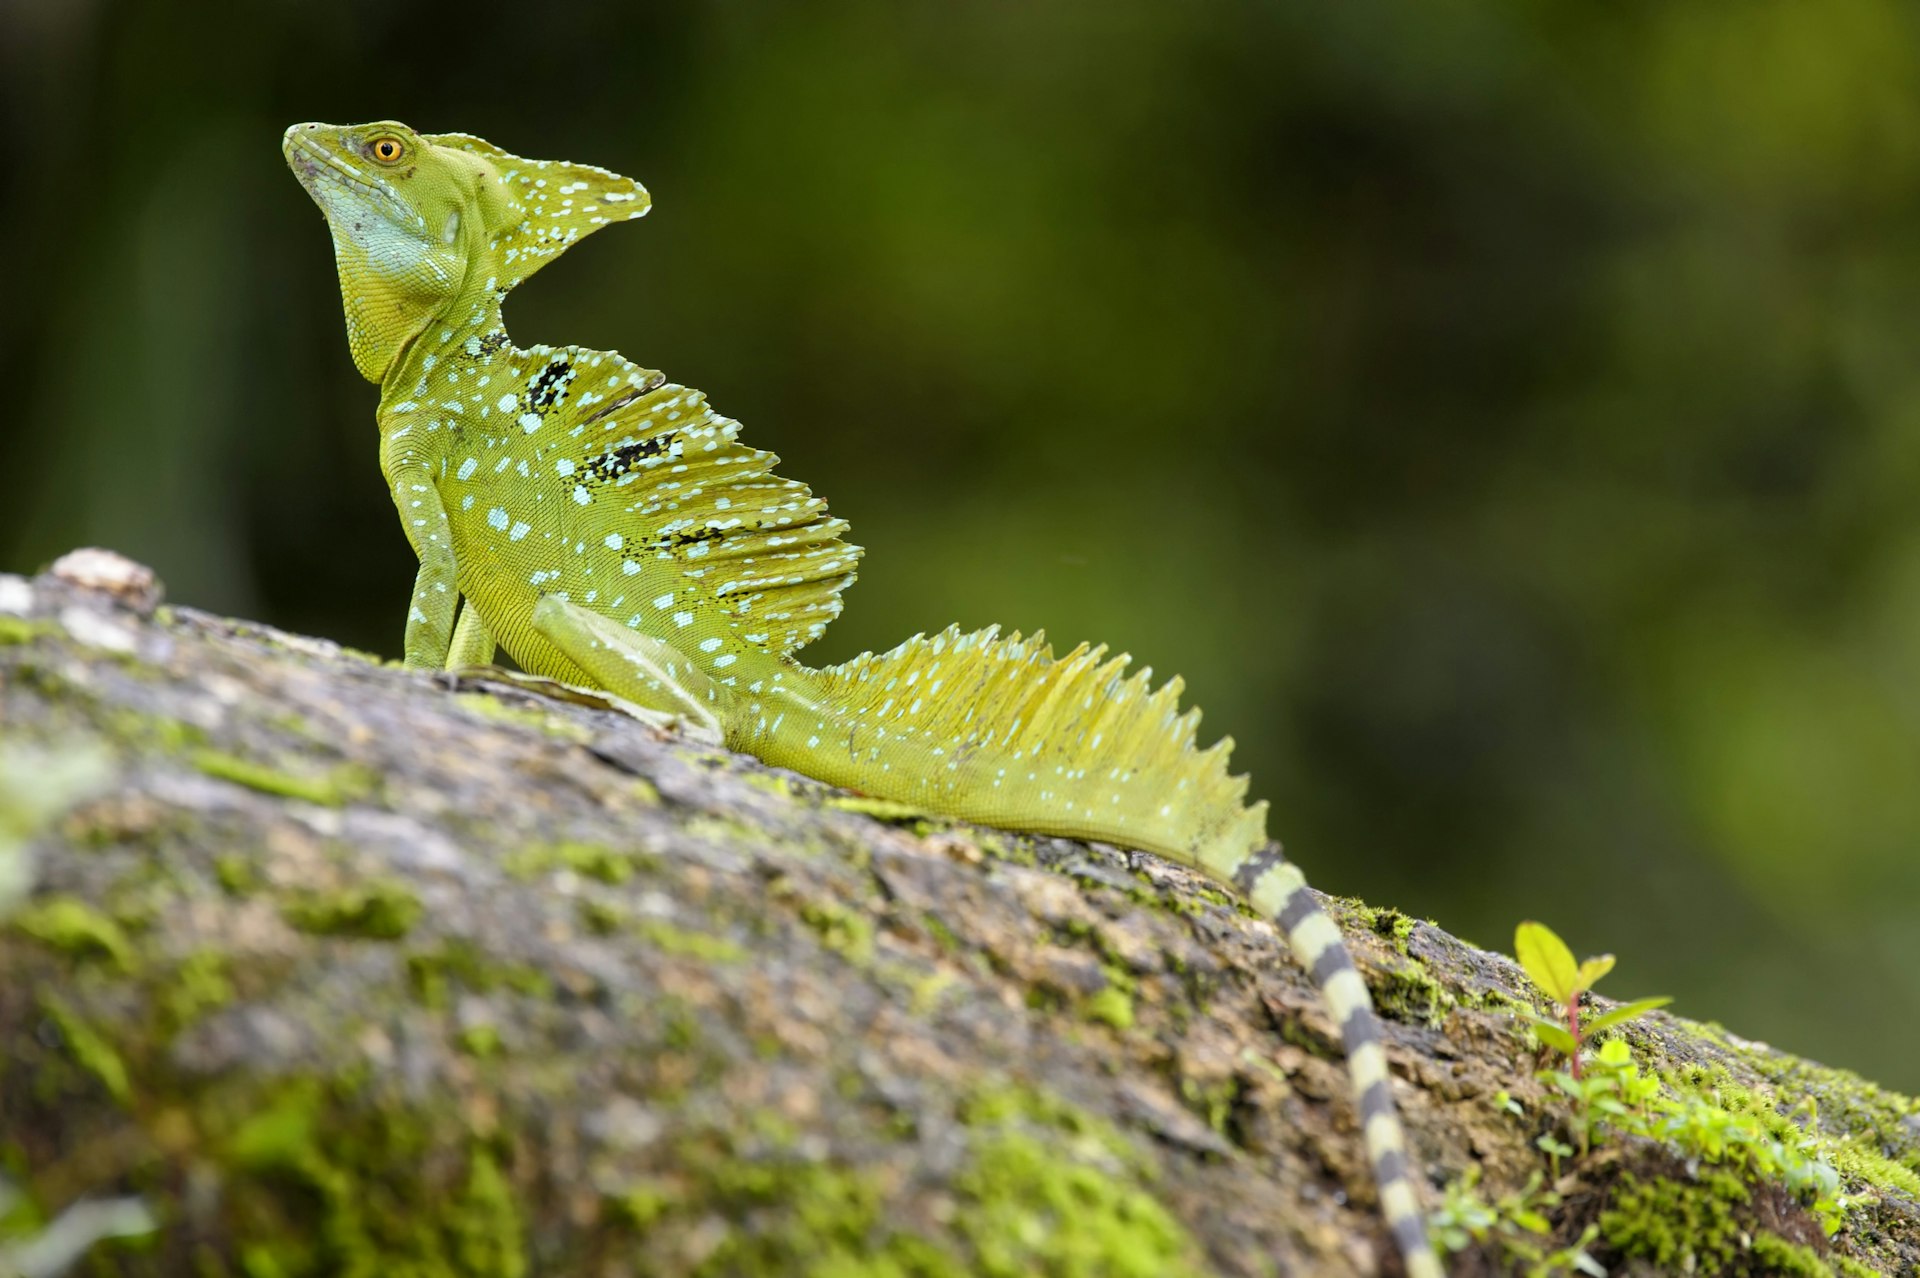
[551,204]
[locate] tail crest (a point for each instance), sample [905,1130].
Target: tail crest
[999,730]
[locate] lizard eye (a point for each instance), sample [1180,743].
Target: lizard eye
[386,150]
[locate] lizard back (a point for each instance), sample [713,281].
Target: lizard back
[573,472]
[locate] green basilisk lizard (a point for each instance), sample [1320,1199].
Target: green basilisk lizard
[609,529]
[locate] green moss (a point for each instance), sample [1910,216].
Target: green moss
[436,972]
[1050,1190]
[1011,848]
[1045,1190]
[679,1024]
[945,937]
[1212,1101]
[90,1051]
[199,984]
[595,861]
[1381,921]
[487,1233]
[804,1217]
[773,783]
[481,1042]
[1777,1256]
[786,1211]
[73,927]
[1845,1102]
[338,787]
[1111,1006]
[639,1205]
[699,945]
[601,918]
[1498,1002]
[1205,894]
[1407,991]
[22,630]
[1704,1225]
[1035,1212]
[878,809]
[237,875]
[334,1185]
[377,910]
[925,992]
[1704,1115]
[490,707]
[1678,1225]
[846,932]
[156,732]
[1859,1161]
[1848,1267]
[1757,1135]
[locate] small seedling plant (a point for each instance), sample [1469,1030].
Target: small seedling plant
[1551,965]
[1516,1224]
[1615,1089]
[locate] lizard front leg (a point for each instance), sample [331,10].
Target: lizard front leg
[436,592]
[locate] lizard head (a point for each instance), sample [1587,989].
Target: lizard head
[437,228]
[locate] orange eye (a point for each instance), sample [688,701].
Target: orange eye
[386,150]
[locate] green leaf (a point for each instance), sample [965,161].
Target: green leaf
[1624,1013]
[1553,1035]
[1592,970]
[1547,960]
[1614,1053]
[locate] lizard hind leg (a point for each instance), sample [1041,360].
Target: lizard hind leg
[649,672]
[472,642]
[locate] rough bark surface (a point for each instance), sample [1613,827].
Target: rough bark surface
[349,969]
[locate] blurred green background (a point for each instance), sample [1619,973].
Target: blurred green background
[1506,415]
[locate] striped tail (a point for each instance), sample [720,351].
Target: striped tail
[998,730]
[1277,889]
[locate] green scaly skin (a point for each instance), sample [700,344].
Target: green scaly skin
[608,529]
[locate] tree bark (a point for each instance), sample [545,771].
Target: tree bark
[349,969]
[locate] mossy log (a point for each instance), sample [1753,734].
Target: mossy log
[346,969]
